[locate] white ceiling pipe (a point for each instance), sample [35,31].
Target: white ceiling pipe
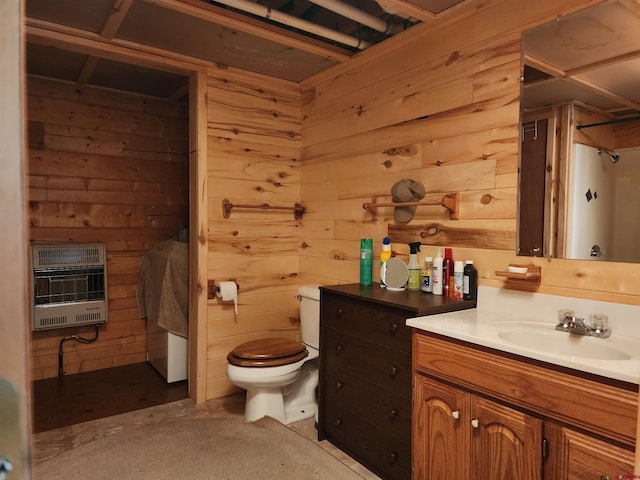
[349,11]
[389,7]
[276,16]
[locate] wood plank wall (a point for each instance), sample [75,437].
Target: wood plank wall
[439,104]
[253,158]
[104,167]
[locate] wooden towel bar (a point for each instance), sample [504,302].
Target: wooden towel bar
[450,201]
[298,210]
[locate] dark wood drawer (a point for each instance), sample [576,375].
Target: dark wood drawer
[380,324]
[389,369]
[388,411]
[365,390]
[384,454]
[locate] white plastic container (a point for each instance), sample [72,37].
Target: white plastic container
[458,273]
[425,284]
[436,274]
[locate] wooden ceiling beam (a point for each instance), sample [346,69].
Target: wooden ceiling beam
[605,93]
[88,68]
[626,57]
[115,18]
[573,76]
[179,93]
[111,26]
[88,43]
[544,67]
[409,9]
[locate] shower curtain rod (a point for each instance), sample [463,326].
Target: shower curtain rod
[608,122]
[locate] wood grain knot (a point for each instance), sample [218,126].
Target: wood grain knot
[405,151]
[430,230]
[486,199]
[452,58]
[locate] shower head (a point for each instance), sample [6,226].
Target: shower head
[614,157]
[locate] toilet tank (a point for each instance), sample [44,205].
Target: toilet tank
[309,297]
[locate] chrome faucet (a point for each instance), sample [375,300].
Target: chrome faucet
[598,325]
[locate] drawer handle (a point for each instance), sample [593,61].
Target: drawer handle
[338,385]
[393,328]
[393,413]
[393,371]
[475,423]
[338,312]
[604,477]
[337,422]
[393,456]
[455,414]
[338,348]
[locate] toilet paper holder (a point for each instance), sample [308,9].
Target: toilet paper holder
[226,291]
[212,288]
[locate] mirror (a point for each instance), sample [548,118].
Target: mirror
[579,175]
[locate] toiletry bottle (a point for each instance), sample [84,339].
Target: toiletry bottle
[426,285]
[436,274]
[447,272]
[414,267]
[470,282]
[385,254]
[456,285]
[366,258]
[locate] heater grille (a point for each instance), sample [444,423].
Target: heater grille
[68,255]
[69,285]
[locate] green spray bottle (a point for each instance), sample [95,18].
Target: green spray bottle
[366,259]
[414,267]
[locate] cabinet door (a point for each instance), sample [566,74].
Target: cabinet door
[440,431]
[505,444]
[576,456]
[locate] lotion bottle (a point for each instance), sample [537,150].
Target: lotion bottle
[436,274]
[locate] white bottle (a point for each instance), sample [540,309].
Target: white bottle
[458,280]
[436,275]
[425,284]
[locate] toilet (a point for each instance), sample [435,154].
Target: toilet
[280,375]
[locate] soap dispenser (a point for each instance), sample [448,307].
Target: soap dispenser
[414,267]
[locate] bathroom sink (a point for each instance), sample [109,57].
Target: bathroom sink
[562,343]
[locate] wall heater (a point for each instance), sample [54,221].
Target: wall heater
[69,285]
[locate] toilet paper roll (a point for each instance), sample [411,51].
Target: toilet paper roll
[228,292]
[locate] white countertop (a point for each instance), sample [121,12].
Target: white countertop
[518,323]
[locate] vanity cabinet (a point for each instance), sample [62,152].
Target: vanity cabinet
[457,433]
[365,386]
[578,456]
[479,413]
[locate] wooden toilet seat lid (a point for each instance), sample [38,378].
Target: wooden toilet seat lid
[267,352]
